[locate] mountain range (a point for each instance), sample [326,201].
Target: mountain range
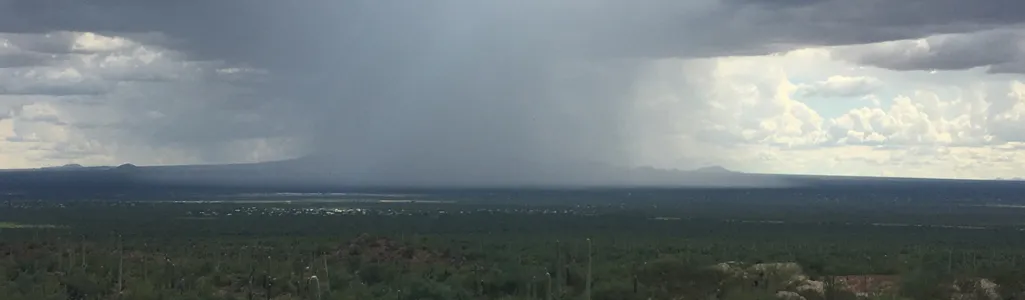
[313,174]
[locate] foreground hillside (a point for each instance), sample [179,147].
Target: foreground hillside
[515,244]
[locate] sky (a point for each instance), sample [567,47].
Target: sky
[911,88]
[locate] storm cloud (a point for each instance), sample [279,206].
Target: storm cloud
[1004,52]
[442,89]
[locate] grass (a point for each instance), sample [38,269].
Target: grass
[13,225]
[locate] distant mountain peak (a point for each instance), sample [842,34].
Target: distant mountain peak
[67,166]
[713,169]
[126,168]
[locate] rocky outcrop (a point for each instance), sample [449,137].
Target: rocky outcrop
[786,279]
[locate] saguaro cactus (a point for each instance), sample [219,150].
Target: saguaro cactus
[120,266]
[316,282]
[587,284]
[560,268]
[548,292]
[327,276]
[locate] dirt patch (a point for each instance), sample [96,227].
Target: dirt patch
[869,284]
[381,249]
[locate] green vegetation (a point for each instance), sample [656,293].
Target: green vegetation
[12,225]
[511,249]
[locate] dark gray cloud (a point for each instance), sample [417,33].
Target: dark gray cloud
[399,28]
[1002,50]
[19,60]
[49,43]
[453,88]
[46,119]
[48,81]
[54,90]
[773,25]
